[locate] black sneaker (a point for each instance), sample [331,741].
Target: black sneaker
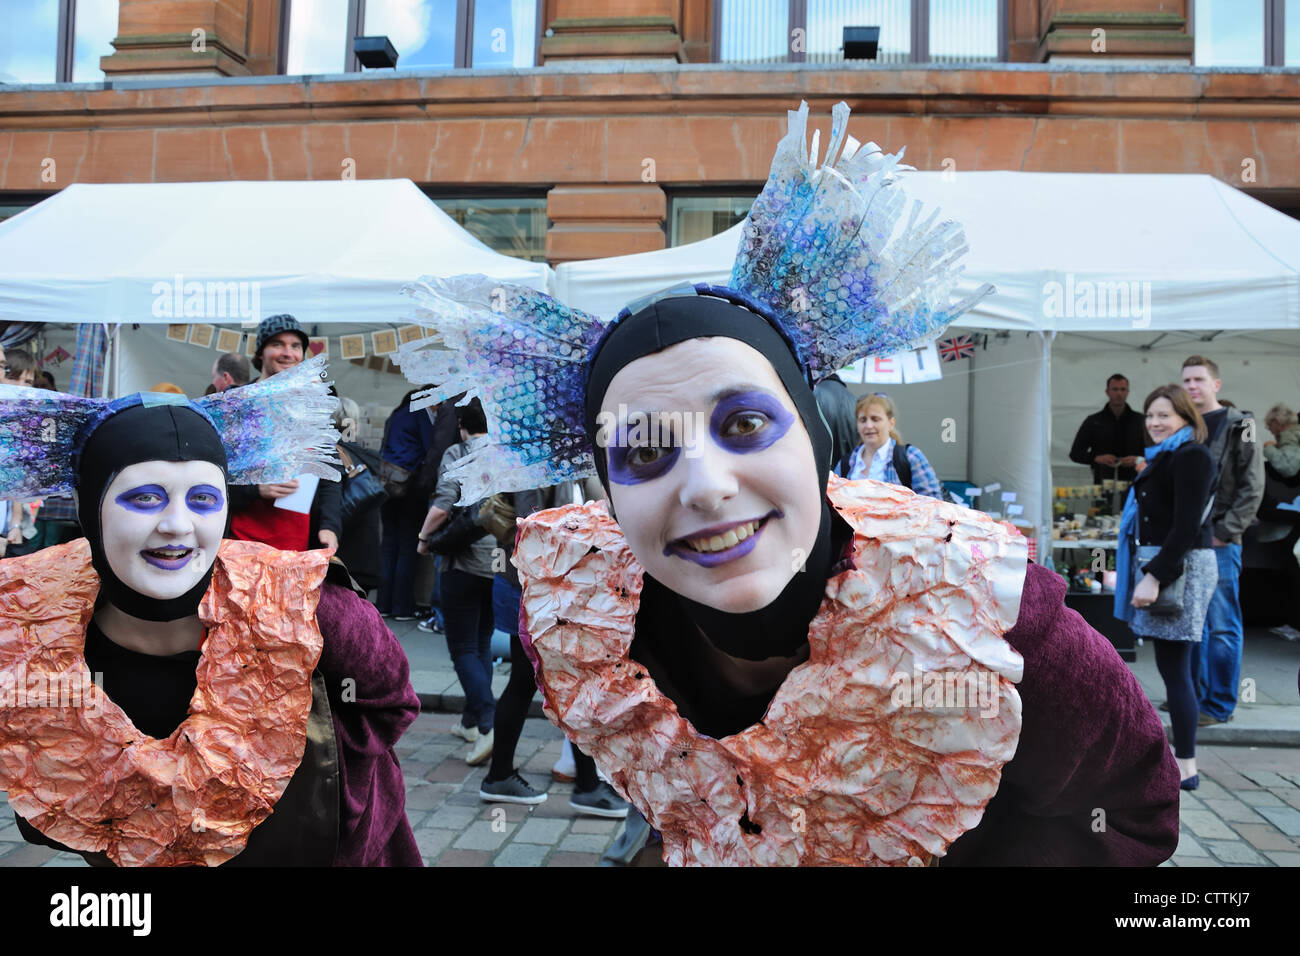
[513,789]
[601,802]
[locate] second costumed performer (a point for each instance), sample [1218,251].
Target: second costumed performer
[774,665]
[245,705]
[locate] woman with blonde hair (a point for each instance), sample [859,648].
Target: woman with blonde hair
[883,455]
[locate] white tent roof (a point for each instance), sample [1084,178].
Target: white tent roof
[328,251]
[1213,256]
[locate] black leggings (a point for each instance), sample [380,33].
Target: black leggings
[512,711]
[1174,660]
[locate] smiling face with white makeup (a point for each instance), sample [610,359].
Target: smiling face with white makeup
[725,513]
[162,523]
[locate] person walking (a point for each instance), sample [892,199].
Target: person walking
[1168,508]
[407,436]
[466,587]
[883,456]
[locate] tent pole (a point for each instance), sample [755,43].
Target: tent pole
[116,352]
[1045,509]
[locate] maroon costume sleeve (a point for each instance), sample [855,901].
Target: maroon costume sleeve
[373,703]
[1093,781]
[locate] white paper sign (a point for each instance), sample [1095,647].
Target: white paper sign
[972,492]
[852,374]
[921,365]
[300,501]
[1015,509]
[996,486]
[883,370]
[1008,496]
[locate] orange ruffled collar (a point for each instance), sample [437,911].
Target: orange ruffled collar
[863,756]
[86,777]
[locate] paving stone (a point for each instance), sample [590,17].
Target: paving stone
[1264,837]
[1293,776]
[1286,819]
[1234,851]
[65,860]
[416,819]
[1234,811]
[449,771]
[451,817]
[1291,796]
[1188,846]
[1210,789]
[1206,825]
[573,859]
[432,842]
[465,798]
[584,843]
[422,798]
[29,854]
[1265,778]
[514,812]
[1259,798]
[11,834]
[540,830]
[521,854]
[1189,801]
[464,858]
[588,825]
[1283,859]
[482,835]
[556,808]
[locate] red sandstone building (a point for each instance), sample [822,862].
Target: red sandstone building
[566,129]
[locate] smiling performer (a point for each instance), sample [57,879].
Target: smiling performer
[244,708]
[774,665]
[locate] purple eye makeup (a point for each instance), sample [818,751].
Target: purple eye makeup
[749,421]
[205,499]
[145,499]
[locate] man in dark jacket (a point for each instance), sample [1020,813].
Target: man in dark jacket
[1113,436]
[1240,465]
[282,344]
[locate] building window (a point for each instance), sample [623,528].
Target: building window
[701,217]
[427,34]
[1245,33]
[513,226]
[916,31]
[56,41]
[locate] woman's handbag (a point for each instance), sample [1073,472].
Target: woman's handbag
[458,532]
[361,489]
[1170,599]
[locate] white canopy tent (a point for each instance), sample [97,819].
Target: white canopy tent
[333,253]
[1125,273]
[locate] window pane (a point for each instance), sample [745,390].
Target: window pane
[828,18]
[963,31]
[701,217]
[1229,33]
[422,31]
[514,227]
[1292,51]
[753,31]
[318,37]
[505,33]
[29,42]
[96,28]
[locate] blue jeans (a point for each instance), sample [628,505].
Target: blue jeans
[1218,663]
[467,614]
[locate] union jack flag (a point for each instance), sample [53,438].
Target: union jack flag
[957,347]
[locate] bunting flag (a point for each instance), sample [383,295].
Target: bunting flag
[957,347]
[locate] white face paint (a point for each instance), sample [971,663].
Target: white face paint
[162,523]
[724,513]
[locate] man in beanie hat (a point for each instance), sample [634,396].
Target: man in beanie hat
[254,516]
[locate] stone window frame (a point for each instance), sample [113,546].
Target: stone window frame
[920,30]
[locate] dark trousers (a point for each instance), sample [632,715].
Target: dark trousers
[467,616]
[401,520]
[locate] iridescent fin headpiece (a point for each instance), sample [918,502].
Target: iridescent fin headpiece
[822,256]
[272,430]
[524,355]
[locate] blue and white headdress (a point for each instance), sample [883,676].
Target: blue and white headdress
[272,430]
[825,256]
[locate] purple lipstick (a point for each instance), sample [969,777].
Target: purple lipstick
[714,558]
[168,559]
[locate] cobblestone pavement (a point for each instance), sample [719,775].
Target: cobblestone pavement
[1246,812]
